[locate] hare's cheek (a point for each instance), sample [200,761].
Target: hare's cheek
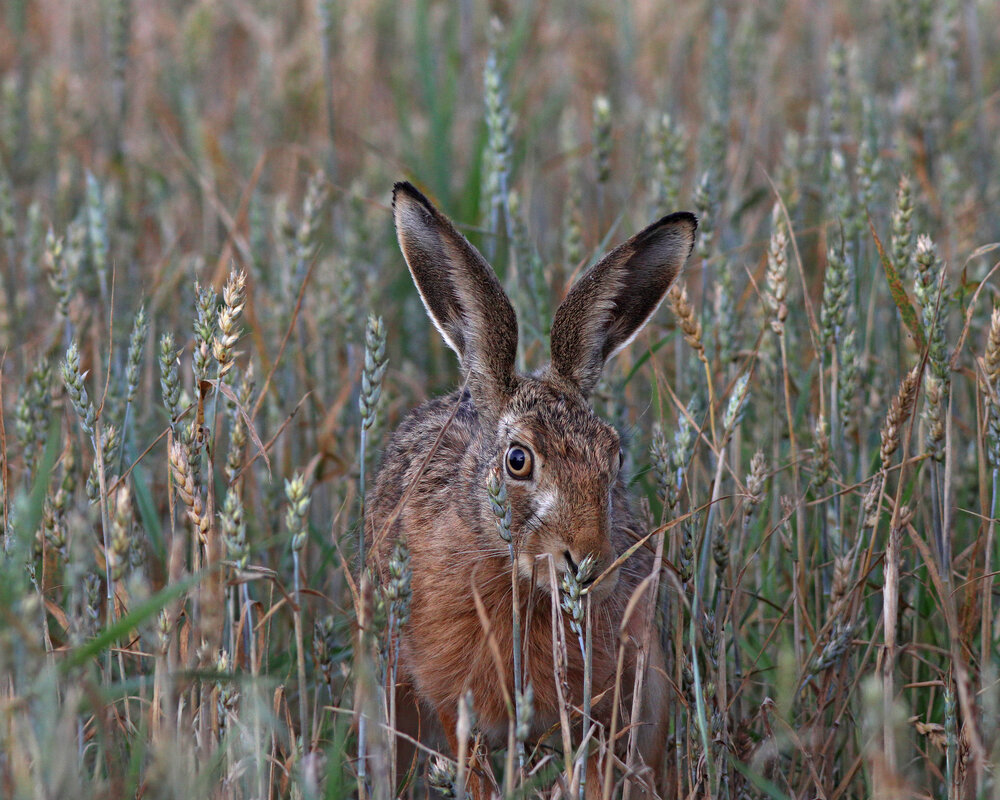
[545,503]
[534,513]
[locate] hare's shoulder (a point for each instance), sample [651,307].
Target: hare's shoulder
[436,425]
[446,424]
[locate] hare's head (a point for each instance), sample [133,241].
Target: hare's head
[560,461]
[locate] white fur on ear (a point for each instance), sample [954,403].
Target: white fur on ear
[461,293]
[413,218]
[658,251]
[615,298]
[413,221]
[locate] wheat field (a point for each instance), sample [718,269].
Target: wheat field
[208,333]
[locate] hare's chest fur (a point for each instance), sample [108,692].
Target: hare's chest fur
[446,648]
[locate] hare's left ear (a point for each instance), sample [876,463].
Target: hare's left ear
[615,298]
[461,294]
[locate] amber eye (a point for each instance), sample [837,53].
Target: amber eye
[519,462]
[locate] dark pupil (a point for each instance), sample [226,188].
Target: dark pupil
[517,459]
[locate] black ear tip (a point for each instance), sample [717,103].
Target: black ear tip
[405,189]
[680,218]
[683,220]
[681,225]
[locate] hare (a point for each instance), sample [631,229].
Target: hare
[562,468]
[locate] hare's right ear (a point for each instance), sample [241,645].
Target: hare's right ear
[461,294]
[611,302]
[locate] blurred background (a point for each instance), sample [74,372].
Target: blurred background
[150,151]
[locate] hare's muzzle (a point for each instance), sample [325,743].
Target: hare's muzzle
[593,569]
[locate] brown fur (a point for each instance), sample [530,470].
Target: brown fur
[574,504]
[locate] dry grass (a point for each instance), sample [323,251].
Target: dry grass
[817,437]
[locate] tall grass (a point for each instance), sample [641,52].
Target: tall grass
[814,424]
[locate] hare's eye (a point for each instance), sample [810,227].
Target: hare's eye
[621,458]
[519,462]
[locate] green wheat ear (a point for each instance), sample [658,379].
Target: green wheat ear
[76,390]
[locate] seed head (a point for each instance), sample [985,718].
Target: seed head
[31,413]
[822,453]
[397,587]
[902,228]
[667,147]
[871,501]
[572,242]
[204,331]
[736,404]
[306,235]
[58,269]
[497,490]
[993,349]
[835,285]
[777,273]
[687,318]
[756,478]
[849,380]
[525,712]
[77,391]
[298,507]
[140,327]
[934,392]
[187,489]
[927,286]
[227,330]
[841,581]
[238,428]
[602,138]
[704,205]
[109,441]
[838,644]
[899,412]
[234,528]
[499,127]
[720,549]
[571,588]
[375,364]
[686,555]
[324,644]
[120,539]
[441,776]
[170,383]
[97,230]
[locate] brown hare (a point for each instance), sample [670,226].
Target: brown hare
[561,464]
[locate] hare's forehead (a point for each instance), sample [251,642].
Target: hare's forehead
[556,432]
